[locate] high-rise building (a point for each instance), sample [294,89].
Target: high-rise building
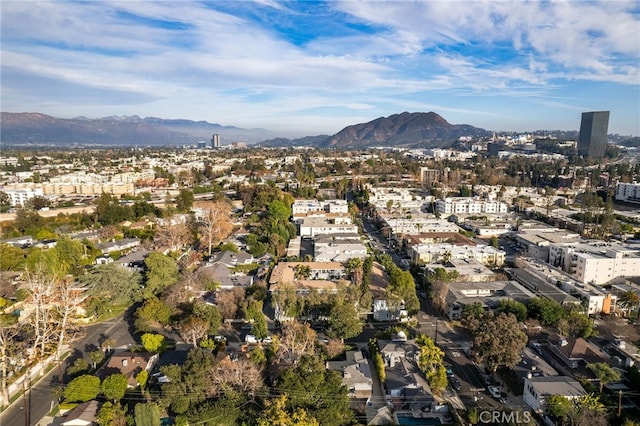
[215,141]
[592,142]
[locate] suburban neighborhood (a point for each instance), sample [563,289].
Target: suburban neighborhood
[493,283]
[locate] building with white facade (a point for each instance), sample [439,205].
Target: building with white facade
[537,389]
[311,227]
[301,208]
[628,192]
[440,253]
[19,197]
[338,248]
[468,205]
[596,262]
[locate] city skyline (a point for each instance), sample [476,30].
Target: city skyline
[305,68]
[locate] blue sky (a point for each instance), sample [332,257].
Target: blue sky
[307,68]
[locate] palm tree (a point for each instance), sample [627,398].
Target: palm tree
[630,299]
[354,266]
[302,272]
[604,373]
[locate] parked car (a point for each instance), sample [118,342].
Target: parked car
[250,338]
[494,391]
[455,383]
[267,340]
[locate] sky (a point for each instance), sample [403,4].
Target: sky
[303,68]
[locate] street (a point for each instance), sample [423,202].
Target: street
[40,400]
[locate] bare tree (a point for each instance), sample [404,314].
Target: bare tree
[296,339]
[193,329]
[228,301]
[213,221]
[7,335]
[68,298]
[440,290]
[173,236]
[41,289]
[242,375]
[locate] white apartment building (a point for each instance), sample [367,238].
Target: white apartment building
[438,253]
[417,225]
[468,205]
[381,197]
[306,207]
[18,197]
[310,227]
[596,262]
[628,192]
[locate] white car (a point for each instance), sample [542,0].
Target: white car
[267,340]
[494,391]
[250,338]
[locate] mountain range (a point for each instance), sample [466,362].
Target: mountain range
[405,129]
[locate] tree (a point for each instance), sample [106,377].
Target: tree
[79,365]
[184,200]
[82,389]
[11,258]
[296,340]
[513,307]
[70,254]
[5,202]
[172,236]
[472,310]
[547,311]
[193,329]
[629,300]
[355,266]
[8,346]
[276,414]
[114,387]
[229,300]
[604,373]
[161,272]
[112,415]
[151,310]
[214,221]
[430,360]
[320,391]
[112,283]
[96,357]
[344,320]
[557,406]
[254,313]
[153,342]
[147,414]
[497,340]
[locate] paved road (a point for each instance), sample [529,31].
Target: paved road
[40,400]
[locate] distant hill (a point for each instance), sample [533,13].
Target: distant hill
[417,129]
[406,129]
[35,128]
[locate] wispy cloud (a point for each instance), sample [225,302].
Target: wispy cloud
[323,65]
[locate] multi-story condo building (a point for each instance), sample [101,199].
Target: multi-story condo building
[628,192]
[468,205]
[596,262]
[18,197]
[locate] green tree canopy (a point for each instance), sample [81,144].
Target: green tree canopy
[604,373]
[147,414]
[557,406]
[318,390]
[344,320]
[161,273]
[547,311]
[11,258]
[153,342]
[513,307]
[113,282]
[112,415]
[114,387]
[82,389]
[151,310]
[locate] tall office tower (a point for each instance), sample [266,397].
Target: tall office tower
[215,141]
[592,142]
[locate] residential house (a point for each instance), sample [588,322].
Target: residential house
[537,389]
[356,374]
[385,313]
[118,245]
[85,414]
[130,364]
[220,273]
[405,385]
